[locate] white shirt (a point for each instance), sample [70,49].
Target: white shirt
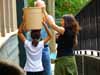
[34,56]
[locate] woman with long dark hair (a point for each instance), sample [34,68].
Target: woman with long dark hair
[65,63]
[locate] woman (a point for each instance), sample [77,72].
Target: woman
[67,40]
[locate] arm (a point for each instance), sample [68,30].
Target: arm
[48,32]
[75,41]
[23,24]
[52,23]
[20,33]
[57,28]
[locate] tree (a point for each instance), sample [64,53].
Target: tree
[31,3]
[68,6]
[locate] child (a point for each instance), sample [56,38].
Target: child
[34,49]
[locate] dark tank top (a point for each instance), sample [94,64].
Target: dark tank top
[65,43]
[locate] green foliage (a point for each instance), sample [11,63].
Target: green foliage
[30,3]
[65,6]
[68,6]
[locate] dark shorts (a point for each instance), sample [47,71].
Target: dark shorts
[35,73]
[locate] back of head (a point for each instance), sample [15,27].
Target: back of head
[10,69]
[35,34]
[71,22]
[68,20]
[39,3]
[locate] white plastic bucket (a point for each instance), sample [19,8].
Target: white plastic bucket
[33,17]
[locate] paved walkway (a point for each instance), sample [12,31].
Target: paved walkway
[52,69]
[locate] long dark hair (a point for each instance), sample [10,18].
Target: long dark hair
[35,35]
[71,22]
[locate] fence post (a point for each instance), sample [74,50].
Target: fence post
[83,65]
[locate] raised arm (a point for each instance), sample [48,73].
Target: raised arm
[57,28]
[48,32]
[53,24]
[20,33]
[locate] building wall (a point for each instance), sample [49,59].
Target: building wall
[9,50]
[89,38]
[89,20]
[8,31]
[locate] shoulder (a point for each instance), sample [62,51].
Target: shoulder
[41,43]
[27,42]
[50,17]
